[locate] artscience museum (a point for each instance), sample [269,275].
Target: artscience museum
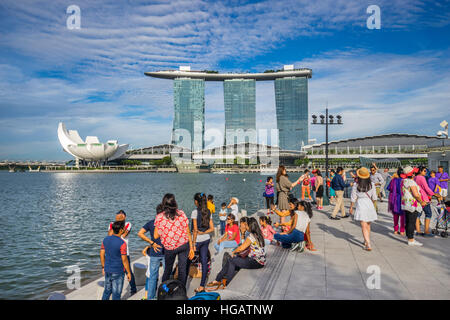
[90,150]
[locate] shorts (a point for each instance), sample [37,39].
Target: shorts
[427,211]
[319,193]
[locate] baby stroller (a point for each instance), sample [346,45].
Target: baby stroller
[442,220]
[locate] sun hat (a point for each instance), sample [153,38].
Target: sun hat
[235,199]
[314,171]
[363,173]
[409,171]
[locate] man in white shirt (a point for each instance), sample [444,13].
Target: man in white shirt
[378,180]
[234,208]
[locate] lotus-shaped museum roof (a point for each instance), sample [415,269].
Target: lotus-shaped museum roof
[91,149]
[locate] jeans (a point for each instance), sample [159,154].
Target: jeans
[222,227]
[410,221]
[152,281]
[427,211]
[287,239]
[113,285]
[202,248]
[169,256]
[133,288]
[225,244]
[232,266]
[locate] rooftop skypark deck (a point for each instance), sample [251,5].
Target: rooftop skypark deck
[210,76]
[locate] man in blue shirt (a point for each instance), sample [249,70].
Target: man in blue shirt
[338,184]
[156,254]
[113,257]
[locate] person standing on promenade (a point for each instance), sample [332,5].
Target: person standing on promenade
[172,225]
[223,218]
[203,226]
[233,205]
[155,254]
[386,177]
[377,179]
[269,193]
[306,185]
[332,193]
[121,216]
[426,194]
[443,181]
[319,189]
[231,237]
[113,257]
[364,195]
[250,254]
[313,186]
[285,187]
[412,203]
[434,183]
[210,204]
[395,201]
[339,185]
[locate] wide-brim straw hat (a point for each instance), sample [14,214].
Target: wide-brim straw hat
[363,173]
[236,199]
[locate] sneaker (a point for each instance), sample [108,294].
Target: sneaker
[430,235]
[414,243]
[335,218]
[346,216]
[295,246]
[302,246]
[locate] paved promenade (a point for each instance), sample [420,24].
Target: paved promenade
[338,270]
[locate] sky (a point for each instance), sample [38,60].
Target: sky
[395,79]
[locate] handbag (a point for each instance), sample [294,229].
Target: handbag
[245,253]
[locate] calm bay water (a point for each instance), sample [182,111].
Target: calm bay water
[51,221]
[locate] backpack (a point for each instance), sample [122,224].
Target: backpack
[206,296]
[171,290]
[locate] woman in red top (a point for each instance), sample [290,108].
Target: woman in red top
[231,237]
[172,226]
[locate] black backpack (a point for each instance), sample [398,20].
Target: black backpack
[172,290]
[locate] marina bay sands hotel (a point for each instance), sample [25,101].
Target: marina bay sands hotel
[291,99]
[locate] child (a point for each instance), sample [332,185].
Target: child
[433,182]
[269,193]
[231,237]
[223,217]
[266,229]
[210,204]
[306,185]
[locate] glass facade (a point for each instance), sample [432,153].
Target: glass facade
[240,110]
[189,112]
[291,98]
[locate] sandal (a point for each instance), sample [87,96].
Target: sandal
[199,290]
[221,285]
[213,284]
[367,248]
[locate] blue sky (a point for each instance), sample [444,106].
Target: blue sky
[396,79]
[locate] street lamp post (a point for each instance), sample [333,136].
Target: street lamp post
[326,120]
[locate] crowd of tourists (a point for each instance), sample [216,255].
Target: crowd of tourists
[172,236]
